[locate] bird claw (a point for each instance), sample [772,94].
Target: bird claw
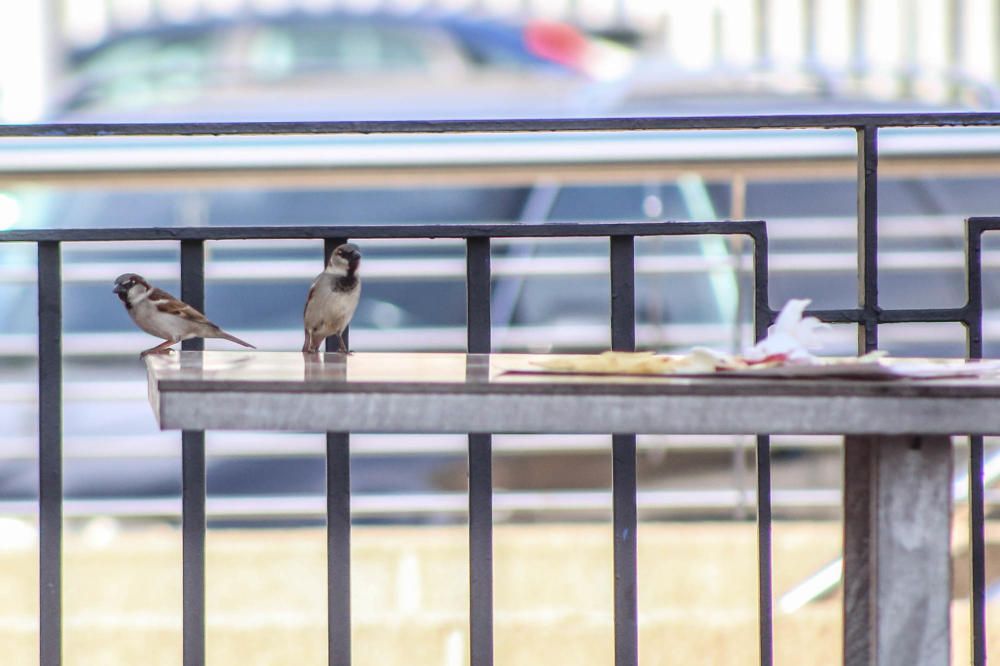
[144,354]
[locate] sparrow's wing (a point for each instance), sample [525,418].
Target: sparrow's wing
[166,303]
[309,297]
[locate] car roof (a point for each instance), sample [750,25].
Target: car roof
[441,75]
[467,27]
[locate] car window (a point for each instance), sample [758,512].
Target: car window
[285,50]
[169,208]
[143,71]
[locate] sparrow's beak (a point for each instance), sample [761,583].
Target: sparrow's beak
[353,259]
[119,289]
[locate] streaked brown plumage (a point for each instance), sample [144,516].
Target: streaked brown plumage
[158,313]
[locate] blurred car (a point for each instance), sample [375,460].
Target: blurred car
[550,295]
[339,65]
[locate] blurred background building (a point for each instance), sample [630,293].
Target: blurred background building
[938,51]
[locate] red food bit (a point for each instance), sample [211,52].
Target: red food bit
[772,358]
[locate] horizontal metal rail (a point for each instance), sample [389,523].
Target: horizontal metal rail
[824,228]
[37,154]
[332,172]
[630,124]
[364,232]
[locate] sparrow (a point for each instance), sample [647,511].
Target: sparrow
[332,298]
[160,314]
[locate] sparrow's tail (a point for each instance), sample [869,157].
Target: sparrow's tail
[232,338]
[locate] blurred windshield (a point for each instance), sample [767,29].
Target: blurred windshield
[175,64]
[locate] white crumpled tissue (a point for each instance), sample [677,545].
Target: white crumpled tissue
[790,338]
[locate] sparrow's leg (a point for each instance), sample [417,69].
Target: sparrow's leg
[158,349]
[341,345]
[309,346]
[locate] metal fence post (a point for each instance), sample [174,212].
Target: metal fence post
[338,525]
[623,471]
[977,511]
[193,477]
[867,185]
[50,452]
[765,592]
[480,465]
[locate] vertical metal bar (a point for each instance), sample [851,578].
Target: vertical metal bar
[50,452]
[762,314]
[765,600]
[977,552]
[974,288]
[481,549]
[477,259]
[765,593]
[338,547]
[193,477]
[977,517]
[193,529]
[625,514]
[623,293]
[858,614]
[868,237]
[338,526]
[193,283]
[859,567]
[625,518]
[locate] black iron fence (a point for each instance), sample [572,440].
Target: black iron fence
[867,316]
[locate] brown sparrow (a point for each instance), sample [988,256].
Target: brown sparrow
[332,298]
[160,314]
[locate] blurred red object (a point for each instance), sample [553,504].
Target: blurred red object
[558,42]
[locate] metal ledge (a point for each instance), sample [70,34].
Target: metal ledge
[460,393]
